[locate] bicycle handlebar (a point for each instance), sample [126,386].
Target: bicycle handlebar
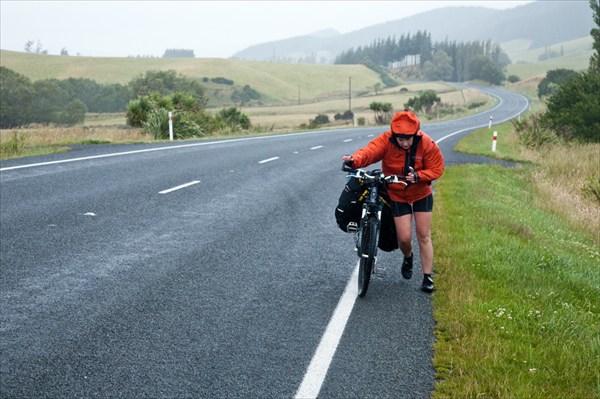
[368,175]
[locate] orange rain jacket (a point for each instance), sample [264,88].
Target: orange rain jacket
[428,163]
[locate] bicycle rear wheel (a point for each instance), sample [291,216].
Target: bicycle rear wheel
[368,253]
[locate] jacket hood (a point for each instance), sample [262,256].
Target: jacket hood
[405,123]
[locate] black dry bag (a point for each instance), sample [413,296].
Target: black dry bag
[349,208]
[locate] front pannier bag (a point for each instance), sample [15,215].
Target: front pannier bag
[349,210]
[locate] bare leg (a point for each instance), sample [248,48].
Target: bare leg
[423,229]
[404,233]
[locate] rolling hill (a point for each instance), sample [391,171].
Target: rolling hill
[540,24]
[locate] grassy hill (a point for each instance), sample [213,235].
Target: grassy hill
[278,83]
[526,63]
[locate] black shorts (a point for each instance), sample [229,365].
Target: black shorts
[422,205]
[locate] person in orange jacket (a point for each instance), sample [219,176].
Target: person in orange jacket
[399,149]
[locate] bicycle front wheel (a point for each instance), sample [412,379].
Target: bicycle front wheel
[368,253]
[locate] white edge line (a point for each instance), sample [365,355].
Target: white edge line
[268,160]
[174,147]
[170,190]
[321,360]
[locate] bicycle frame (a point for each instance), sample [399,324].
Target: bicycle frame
[367,233]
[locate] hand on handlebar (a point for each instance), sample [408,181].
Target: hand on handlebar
[412,176]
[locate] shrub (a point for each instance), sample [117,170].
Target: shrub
[592,188]
[533,133]
[233,118]
[383,112]
[346,116]
[222,81]
[321,119]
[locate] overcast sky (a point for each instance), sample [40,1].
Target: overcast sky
[210,28]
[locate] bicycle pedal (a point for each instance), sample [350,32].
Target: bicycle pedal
[352,228]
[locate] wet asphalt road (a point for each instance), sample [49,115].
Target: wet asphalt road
[113,286]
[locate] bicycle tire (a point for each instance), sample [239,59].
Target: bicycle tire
[368,254]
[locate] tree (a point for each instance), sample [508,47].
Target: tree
[178,53]
[377,87]
[482,67]
[595,32]
[29,46]
[428,99]
[73,113]
[439,67]
[16,99]
[245,96]
[554,79]
[50,98]
[425,101]
[574,110]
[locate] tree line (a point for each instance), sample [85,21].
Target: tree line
[65,102]
[386,52]
[449,61]
[45,101]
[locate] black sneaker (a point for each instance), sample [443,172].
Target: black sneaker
[407,267]
[427,284]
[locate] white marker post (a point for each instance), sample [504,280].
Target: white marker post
[494,141]
[170,126]
[490,124]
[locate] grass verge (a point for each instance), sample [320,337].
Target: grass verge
[518,285]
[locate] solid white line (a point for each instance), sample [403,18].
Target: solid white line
[179,187]
[317,369]
[268,160]
[317,147]
[174,147]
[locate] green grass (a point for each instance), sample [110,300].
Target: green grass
[518,265]
[480,142]
[516,305]
[15,147]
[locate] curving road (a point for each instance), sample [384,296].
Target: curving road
[209,269]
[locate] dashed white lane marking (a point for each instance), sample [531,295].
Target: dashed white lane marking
[268,160]
[317,147]
[347,140]
[317,369]
[179,187]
